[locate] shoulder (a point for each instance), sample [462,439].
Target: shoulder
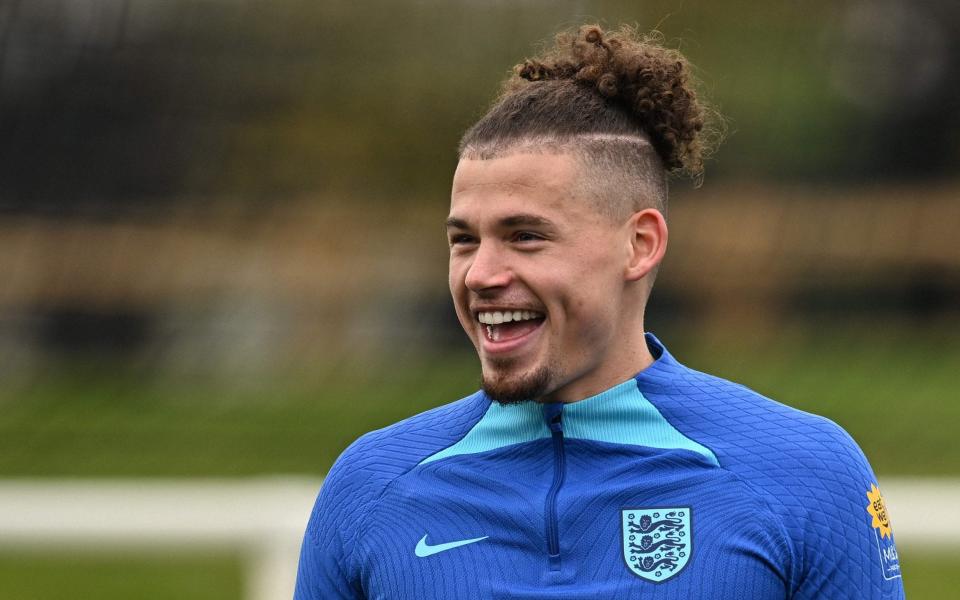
[796,460]
[757,432]
[805,468]
[369,464]
[745,429]
[357,480]
[401,446]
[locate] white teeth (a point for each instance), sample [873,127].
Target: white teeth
[498,317]
[493,333]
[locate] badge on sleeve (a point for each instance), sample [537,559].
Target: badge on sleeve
[880,521]
[656,541]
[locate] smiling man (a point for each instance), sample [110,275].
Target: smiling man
[592,464]
[550,289]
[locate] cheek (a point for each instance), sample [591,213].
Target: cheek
[455,277]
[452,284]
[590,306]
[586,315]
[458,294]
[461,308]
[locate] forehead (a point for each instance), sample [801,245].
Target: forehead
[522,181]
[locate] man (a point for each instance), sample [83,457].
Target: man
[592,464]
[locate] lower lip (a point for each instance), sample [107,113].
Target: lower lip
[511,345]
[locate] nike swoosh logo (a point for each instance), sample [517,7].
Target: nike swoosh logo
[423,549]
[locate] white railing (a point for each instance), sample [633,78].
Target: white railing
[263,519]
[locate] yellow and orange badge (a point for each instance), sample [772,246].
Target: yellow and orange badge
[878,510]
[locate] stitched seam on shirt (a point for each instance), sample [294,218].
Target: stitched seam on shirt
[785,540]
[368,508]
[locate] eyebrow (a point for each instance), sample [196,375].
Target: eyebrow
[523,219]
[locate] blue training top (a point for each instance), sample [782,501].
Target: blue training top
[671,485]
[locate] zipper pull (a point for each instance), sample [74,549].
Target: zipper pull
[553,415]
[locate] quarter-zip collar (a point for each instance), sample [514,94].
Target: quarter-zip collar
[619,415]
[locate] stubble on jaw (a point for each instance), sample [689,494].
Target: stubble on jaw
[506,387]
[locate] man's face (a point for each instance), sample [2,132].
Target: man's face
[536,275]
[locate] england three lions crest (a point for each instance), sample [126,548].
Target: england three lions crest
[656,541]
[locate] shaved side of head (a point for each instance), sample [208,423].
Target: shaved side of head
[620,174]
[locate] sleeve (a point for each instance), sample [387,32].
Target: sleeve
[848,549]
[325,571]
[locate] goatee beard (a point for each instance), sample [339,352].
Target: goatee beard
[515,389]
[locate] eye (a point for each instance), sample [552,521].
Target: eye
[526,236]
[458,239]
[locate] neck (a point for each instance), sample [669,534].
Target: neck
[622,361]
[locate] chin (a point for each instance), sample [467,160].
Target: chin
[508,387]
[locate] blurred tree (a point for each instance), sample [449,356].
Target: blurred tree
[120,103]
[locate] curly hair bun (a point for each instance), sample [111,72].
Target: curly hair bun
[634,72]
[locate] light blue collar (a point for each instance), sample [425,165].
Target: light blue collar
[618,415]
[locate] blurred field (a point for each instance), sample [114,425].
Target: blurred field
[893,391]
[149,577]
[30,578]
[929,577]
[66,578]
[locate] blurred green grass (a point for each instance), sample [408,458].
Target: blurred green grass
[930,577]
[68,576]
[61,577]
[894,393]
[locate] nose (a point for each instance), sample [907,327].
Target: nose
[488,269]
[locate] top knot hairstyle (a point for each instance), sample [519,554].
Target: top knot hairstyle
[612,97]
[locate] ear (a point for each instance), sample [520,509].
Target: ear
[647,230]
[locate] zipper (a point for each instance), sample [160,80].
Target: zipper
[553,414]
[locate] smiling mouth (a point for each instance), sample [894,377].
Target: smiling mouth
[503,326]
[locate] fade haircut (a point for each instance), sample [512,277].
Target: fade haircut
[620,102]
